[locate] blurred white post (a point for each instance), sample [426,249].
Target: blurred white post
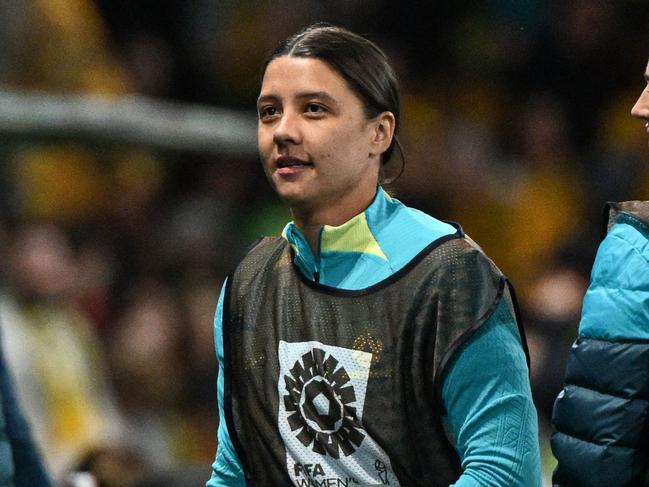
[127,120]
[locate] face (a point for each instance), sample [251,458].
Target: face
[318,148]
[641,107]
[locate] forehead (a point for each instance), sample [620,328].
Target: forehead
[286,75]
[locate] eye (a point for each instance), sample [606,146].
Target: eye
[314,108]
[267,112]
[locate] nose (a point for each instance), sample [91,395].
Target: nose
[287,130]
[641,107]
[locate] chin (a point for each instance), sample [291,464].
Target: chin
[289,190]
[295,198]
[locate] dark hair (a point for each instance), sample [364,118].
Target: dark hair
[359,61]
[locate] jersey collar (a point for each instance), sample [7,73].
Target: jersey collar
[352,237]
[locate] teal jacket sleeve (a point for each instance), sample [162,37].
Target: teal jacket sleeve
[226,469]
[490,413]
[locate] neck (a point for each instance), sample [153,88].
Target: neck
[310,221]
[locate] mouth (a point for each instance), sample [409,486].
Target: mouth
[289,162]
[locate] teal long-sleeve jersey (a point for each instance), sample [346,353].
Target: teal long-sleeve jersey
[490,416]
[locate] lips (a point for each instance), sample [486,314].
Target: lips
[289,161]
[291,167]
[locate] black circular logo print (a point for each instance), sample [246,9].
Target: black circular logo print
[320,401]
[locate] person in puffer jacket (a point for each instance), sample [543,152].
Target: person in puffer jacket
[601,417]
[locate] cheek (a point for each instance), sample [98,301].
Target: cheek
[264,143]
[352,148]
[347,143]
[262,138]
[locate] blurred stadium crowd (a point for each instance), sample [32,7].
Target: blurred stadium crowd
[515,123]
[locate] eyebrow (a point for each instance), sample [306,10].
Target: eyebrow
[264,98]
[323,95]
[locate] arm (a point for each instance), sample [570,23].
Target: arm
[490,414]
[600,415]
[226,469]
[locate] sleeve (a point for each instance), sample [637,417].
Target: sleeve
[490,414]
[602,414]
[226,469]
[27,463]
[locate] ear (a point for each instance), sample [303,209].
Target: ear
[382,132]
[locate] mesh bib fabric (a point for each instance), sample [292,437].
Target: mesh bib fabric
[332,387]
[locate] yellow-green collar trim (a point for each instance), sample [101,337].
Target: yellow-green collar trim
[352,236]
[369,247]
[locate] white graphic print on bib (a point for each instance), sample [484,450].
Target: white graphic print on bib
[322,392]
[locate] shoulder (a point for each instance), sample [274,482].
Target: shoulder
[267,254]
[620,258]
[466,262]
[628,230]
[261,253]
[390,216]
[616,305]
[629,236]
[403,232]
